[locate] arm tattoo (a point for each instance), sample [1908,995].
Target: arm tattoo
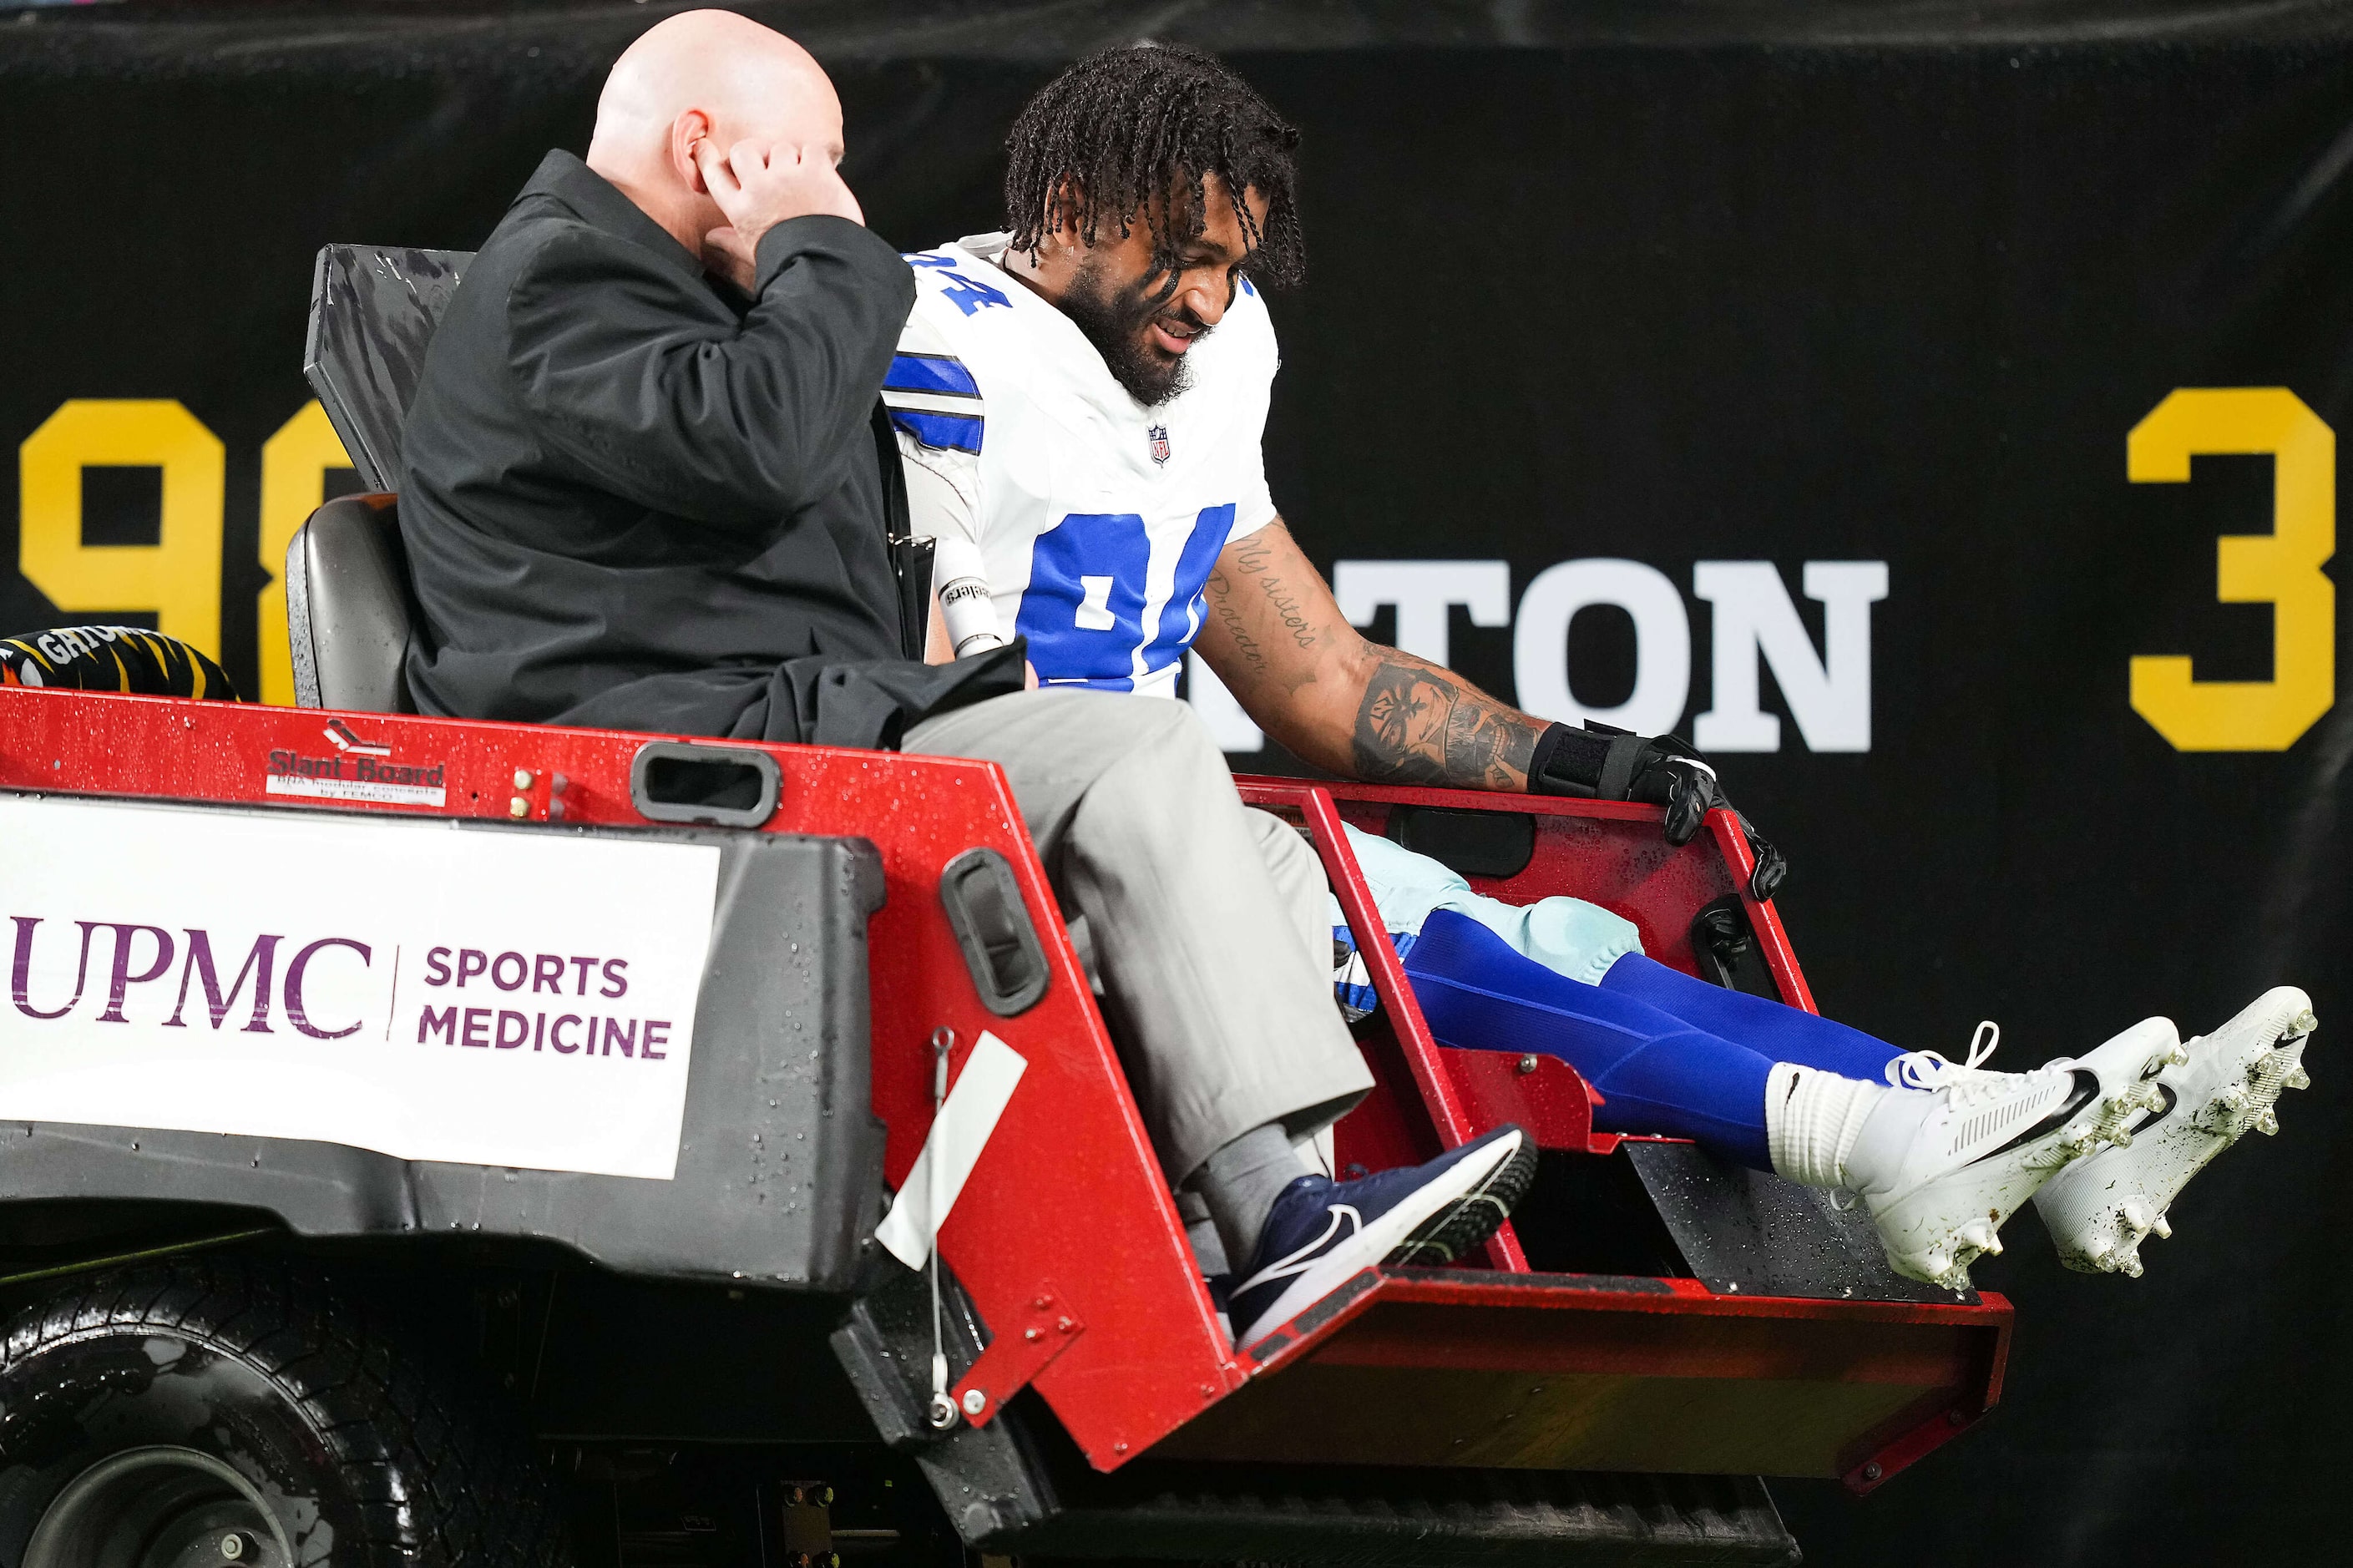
[1253,559]
[1420,724]
[1221,588]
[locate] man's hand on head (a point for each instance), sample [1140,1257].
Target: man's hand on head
[757,186]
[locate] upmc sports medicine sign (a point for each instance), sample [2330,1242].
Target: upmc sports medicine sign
[423,990]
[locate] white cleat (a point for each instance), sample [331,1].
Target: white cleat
[1942,1167]
[2195,1106]
[1979,1236]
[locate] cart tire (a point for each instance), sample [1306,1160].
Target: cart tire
[233,1414]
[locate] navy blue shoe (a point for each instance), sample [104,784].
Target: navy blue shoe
[1320,1231]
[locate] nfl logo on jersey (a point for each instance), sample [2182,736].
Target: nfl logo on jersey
[1159,434]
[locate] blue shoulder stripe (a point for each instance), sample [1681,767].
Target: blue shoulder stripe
[947,432]
[929,373]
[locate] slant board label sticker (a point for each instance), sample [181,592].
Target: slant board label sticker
[422,990]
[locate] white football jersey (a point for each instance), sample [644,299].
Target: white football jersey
[1098,519]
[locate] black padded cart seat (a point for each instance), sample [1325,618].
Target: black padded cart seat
[349,609]
[349,612]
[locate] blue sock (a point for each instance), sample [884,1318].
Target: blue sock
[1657,1073]
[1784,1032]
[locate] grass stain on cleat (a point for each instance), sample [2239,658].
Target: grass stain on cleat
[2188,1108]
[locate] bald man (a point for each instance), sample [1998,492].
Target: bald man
[643,497]
[641,486]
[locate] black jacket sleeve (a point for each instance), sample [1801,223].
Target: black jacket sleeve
[687,411]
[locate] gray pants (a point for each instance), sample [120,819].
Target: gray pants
[1208,918]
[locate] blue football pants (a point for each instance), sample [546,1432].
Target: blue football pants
[1670,1055]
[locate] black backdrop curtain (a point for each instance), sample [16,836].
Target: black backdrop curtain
[1746,300]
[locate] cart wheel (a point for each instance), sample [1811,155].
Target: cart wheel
[221,1414]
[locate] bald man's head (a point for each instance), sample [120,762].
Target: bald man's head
[698,76]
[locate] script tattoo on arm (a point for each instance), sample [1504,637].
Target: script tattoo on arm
[1255,558]
[1245,647]
[1272,631]
[1421,724]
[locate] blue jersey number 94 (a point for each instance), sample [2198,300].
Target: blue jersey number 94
[1084,610]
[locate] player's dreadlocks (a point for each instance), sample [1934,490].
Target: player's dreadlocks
[1123,131]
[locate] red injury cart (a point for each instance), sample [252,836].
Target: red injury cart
[1654,1331]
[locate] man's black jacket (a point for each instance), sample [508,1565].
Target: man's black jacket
[633,502]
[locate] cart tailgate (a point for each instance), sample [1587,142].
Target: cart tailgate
[1439,1367]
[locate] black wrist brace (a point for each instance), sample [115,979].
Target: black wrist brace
[1593,763]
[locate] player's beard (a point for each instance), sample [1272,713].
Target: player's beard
[1116,322]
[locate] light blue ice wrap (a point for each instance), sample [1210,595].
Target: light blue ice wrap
[1568,936]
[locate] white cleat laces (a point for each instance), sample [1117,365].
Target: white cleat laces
[1948,1157]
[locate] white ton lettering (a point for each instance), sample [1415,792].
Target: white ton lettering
[1662,643]
[1827,692]
[1424,593]
[1829,696]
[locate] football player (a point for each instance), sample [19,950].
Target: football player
[1078,403]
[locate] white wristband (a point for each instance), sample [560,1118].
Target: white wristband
[966,601]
